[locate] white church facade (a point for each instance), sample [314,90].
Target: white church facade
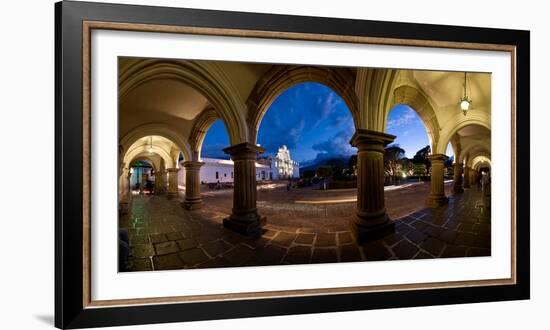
[279,167]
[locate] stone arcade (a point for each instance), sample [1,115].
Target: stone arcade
[188,96]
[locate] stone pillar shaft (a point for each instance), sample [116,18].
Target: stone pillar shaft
[371,220]
[244,218]
[160,182]
[467,177]
[172,182]
[437,194]
[457,179]
[193,198]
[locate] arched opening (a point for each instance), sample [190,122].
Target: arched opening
[217,172]
[280,78]
[406,159]
[151,161]
[142,176]
[306,133]
[449,168]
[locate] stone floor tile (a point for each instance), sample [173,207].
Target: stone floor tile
[392,239]
[193,256]
[448,236]
[270,255]
[453,251]
[239,255]
[216,263]
[324,255]
[345,238]
[157,238]
[349,253]
[416,237]
[433,246]
[167,262]
[465,239]
[298,255]
[423,255]
[166,247]
[174,236]
[325,240]
[305,239]
[141,264]
[419,225]
[186,244]
[216,247]
[143,250]
[405,250]
[433,231]
[375,251]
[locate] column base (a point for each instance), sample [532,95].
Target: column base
[192,204]
[365,232]
[171,195]
[436,201]
[248,225]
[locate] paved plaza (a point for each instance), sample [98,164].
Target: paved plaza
[303,227]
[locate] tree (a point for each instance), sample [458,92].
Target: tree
[308,174]
[421,157]
[407,166]
[449,162]
[352,165]
[392,155]
[324,171]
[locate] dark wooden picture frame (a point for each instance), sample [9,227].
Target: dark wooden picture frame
[73,24]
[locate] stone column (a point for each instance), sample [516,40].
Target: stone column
[124,191]
[437,193]
[193,198]
[160,182]
[244,218]
[172,182]
[457,179]
[467,177]
[129,182]
[371,221]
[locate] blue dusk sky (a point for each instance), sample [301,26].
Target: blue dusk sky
[315,123]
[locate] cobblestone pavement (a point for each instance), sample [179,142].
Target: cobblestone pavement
[165,236]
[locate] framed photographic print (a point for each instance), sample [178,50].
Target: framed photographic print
[216,164]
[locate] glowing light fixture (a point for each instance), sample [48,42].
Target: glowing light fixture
[465,102]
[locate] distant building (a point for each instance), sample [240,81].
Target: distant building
[282,166]
[268,168]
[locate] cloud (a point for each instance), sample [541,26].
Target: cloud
[336,146]
[405,119]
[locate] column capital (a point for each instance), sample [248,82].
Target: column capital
[192,165]
[365,139]
[172,169]
[438,158]
[243,151]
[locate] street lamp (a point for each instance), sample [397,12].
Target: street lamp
[465,102]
